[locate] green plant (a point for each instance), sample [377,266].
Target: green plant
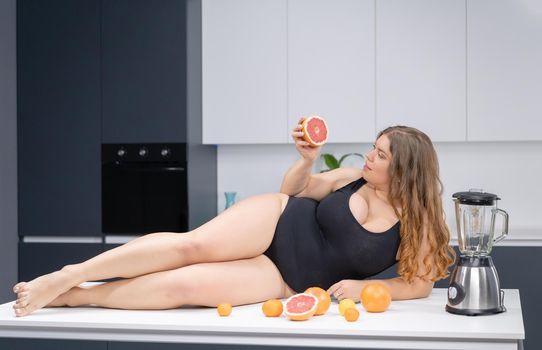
[332,162]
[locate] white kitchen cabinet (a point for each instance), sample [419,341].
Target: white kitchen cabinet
[504,60]
[420,66]
[244,71]
[331,66]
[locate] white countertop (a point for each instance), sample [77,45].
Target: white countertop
[405,324]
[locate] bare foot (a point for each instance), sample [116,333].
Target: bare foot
[67,299]
[41,291]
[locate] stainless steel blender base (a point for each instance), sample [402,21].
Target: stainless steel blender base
[474,288]
[473,312]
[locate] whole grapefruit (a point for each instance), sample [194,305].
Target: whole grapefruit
[324,299]
[375,297]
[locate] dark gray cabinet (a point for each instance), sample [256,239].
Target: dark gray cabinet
[36,259]
[144,71]
[91,72]
[59,127]
[51,344]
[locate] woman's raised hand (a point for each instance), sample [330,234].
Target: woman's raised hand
[305,149]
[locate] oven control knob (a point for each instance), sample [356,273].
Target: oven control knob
[121,152]
[143,152]
[166,152]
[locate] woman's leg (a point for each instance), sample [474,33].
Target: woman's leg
[243,231]
[209,284]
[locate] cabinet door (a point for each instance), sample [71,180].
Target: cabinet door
[58,101]
[331,54]
[36,259]
[420,66]
[504,70]
[51,344]
[244,71]
[144,71]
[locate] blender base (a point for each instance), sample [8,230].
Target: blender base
[475,312]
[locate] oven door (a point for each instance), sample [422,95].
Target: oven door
[139,197]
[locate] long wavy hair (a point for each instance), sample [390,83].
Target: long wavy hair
[417,189]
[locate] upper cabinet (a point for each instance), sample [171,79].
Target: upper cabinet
[331,66]
[504,50]
[420,66]
[143,71]
[244,71]
[457,70]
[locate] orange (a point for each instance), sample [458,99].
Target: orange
[375,297]
[301,307]
[346,304]
[315,130]
[351,314]
[272,308]
[324,299]
[224,309]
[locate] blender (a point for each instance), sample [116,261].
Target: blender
[474,284]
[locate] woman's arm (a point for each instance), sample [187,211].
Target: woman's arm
[299,182]
[297,177]
[419,287]
[402,290]
[399,288]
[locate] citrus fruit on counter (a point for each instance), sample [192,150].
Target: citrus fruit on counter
[375,297]
[314,130]
[324,299]
[351,314]
[272,308]
[224,309]
[346,304]
[301,307]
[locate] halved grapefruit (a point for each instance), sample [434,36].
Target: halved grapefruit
[301,307]
[315,130]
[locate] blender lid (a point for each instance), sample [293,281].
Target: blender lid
[476,197]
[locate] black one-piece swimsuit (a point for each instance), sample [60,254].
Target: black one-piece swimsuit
[321,243]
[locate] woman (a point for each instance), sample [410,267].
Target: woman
[331,230]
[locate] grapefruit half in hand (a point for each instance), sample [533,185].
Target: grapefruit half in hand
[315,130]
[301,307]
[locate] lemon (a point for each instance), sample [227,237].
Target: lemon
[346,304]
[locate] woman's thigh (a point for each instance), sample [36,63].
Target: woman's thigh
[243,231]
[236,282]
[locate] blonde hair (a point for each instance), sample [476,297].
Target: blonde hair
[416,187]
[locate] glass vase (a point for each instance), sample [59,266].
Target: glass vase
[230,199]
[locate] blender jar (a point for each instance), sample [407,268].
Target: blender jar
[476,213]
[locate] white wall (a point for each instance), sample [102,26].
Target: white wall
[8,151]
[512,170]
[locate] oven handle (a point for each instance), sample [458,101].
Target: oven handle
[146,167]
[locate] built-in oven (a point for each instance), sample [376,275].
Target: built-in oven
[144,188]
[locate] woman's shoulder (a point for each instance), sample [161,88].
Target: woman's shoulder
[347,176]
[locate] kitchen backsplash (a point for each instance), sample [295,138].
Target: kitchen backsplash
[512,170]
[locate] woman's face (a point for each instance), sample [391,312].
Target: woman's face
[378,162]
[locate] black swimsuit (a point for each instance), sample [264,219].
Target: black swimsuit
[321,243]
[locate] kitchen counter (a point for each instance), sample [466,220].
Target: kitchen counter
[419,324]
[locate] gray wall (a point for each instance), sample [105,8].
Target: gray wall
[8,151]
[202,171]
